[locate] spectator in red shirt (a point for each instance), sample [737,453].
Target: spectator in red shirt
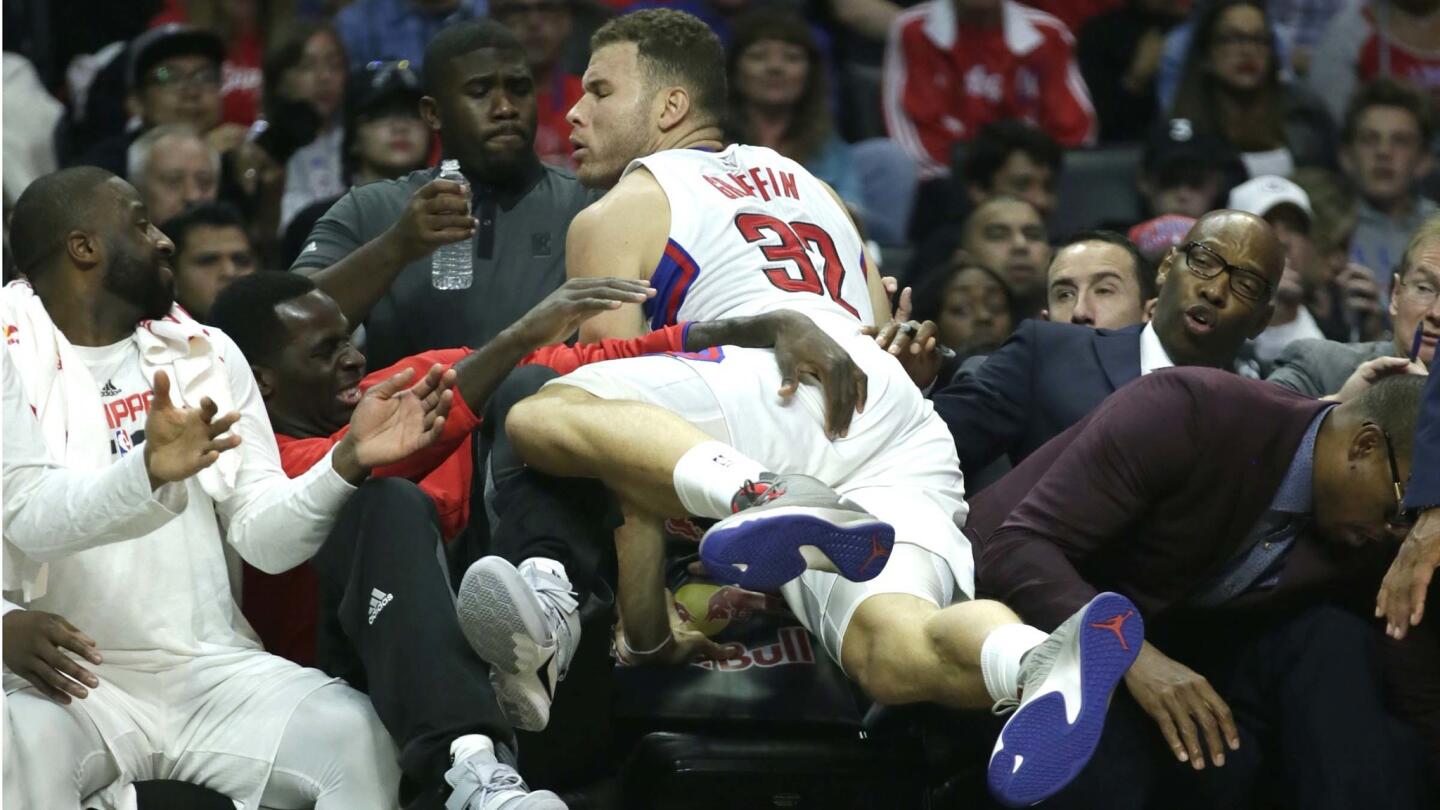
[381,559]
[1372,40]
[953,66]
[543,26]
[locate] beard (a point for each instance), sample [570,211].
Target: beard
[603,171]
[138,281]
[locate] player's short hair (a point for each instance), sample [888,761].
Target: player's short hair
[210,215]
[674,48]
[1394,405]
[245,310]
[48,210]
[1143,271]
[460,39]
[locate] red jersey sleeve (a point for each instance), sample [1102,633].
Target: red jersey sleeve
[566,359]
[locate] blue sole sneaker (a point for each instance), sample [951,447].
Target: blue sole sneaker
[784,525]
[1065,688]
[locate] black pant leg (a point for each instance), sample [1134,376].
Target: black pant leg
[1320,674]
[571,520]
[382,575]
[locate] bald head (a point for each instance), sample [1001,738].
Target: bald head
[1247,234]
[1216,289]
[51,208]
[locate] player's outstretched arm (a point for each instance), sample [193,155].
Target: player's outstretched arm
[623,235]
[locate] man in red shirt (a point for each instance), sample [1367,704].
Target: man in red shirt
[953,66]
[384,598]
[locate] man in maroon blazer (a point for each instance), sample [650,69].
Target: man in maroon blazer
[1222,507]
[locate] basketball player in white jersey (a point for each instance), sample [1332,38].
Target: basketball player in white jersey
[727,231]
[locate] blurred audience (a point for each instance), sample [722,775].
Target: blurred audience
[544,27]
[780,98]
[212,249]
[1099,279]
[1006,235]
[1342,295]
[1013,158]
[173,78]
[1155,237]
[1185,171]
[1385,152]
[1286,207]
[238,24]
[386,138]
[1319,368]
[308,66]
[972,306]
[1119,54]
[1373,39]
[1231,87]
[953,66]
[173,168]
[391,30]
[31,115]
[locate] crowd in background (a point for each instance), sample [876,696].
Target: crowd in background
[1007,162]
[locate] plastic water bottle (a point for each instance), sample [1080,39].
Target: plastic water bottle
[452,266]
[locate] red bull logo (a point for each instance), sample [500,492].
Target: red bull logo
[791,648]
[10,333]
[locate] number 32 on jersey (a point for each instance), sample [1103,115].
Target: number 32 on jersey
[790,244]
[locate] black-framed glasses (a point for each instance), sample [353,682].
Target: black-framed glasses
[1399,519]
[381,73]
[169,77]
[1205,262]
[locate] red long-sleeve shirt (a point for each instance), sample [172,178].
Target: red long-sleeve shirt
[284,608]
[945,81]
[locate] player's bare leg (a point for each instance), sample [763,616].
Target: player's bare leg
[772,527]
[632,447]
[902,649]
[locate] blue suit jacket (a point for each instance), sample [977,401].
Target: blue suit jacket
[1046,377]
[1424,489]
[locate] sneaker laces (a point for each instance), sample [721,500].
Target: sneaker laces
[754,493]
[559,603]
[477,776]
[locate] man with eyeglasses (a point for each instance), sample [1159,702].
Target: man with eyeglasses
[1326,367]
[1228,510]
[174,78]
[1215,292]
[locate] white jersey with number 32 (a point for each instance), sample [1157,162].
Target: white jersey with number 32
[752,231]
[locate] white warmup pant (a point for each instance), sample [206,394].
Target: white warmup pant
[898,462]
[333,753]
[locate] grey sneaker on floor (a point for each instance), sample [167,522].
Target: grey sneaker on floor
[525,624]
[481,782]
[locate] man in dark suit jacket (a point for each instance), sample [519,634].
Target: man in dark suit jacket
[1220,506]
[1215,293]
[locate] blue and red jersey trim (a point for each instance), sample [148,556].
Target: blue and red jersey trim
[672,279]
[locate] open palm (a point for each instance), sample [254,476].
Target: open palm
[393,421]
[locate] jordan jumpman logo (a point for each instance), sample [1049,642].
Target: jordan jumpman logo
[1114,625]
[876,552]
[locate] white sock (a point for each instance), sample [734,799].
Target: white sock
[1000,656]
[463,747]
[708,476]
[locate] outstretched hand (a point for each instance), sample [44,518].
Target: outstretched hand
[395,419]
[802,350]
[182,441]
[1373,371]
[913,343]
[1401,601]
[1186,707]
[685,645]
[561,312]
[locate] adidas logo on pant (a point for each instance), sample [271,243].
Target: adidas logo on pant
[378,600]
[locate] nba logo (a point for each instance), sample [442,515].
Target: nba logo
[123,444]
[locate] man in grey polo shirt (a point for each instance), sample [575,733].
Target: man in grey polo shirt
[371,251]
